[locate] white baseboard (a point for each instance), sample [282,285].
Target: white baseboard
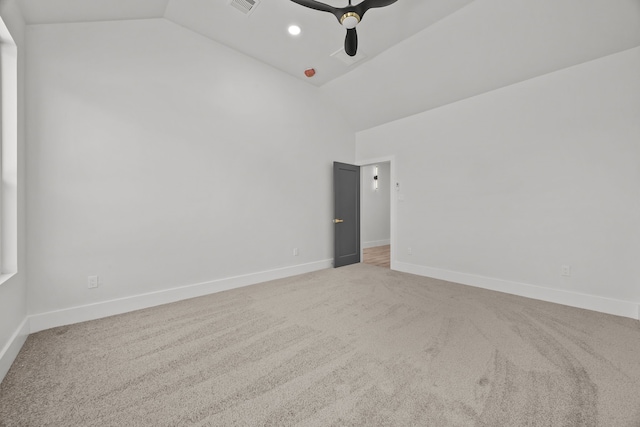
[558,296]
[375,243]
[68,316]
[12,348]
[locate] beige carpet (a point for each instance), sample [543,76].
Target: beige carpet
[359,345]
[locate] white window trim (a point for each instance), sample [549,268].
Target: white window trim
[8,154]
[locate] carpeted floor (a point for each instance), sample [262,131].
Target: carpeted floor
[355,346]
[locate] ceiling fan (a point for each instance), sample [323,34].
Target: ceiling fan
[349,16]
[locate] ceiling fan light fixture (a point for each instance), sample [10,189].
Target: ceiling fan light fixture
[350,19]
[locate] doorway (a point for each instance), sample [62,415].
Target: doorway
[346,193]
[375,202]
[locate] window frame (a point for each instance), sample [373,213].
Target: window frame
[8,154]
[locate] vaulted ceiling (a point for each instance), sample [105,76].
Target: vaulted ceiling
[263,33]
[413,55]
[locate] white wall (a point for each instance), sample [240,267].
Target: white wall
[13,289]
[484,46]
[159,159]
[375,206]
[503,189]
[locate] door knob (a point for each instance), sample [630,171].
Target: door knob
[338,221]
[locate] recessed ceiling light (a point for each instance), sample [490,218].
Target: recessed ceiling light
[294,30]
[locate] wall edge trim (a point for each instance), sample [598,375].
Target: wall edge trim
[558,296]
[41,321]
[12,347]
[374,243]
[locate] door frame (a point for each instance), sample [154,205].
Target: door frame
[393,201]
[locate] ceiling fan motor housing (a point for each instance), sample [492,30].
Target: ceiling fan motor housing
[350,20]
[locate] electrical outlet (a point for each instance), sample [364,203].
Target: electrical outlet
[566,270]
[92,282]
[296,252]
[409,251]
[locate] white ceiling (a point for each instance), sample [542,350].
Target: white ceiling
[420,54]
[58,11]
[263,34]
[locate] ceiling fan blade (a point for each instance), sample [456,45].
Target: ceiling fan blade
[312,4]
[368,4]
[348,16]
[362,7]
[351,42]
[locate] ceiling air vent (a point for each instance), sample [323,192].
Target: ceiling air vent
[245,6]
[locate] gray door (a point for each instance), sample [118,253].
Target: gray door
[346,191]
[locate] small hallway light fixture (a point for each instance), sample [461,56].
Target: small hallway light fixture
[375,177]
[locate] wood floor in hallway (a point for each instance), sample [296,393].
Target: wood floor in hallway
[378,255]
